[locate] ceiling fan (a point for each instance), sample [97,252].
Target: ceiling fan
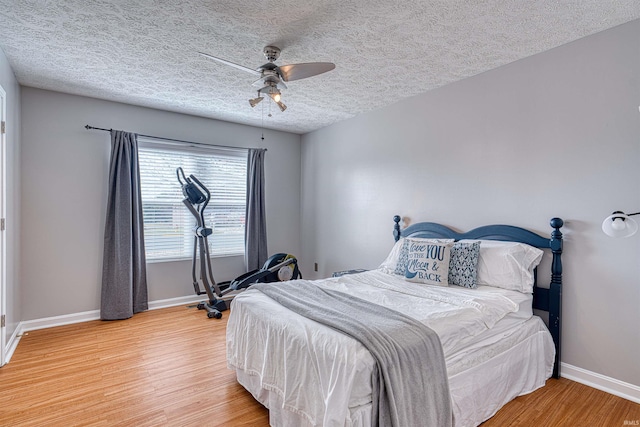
[272,76]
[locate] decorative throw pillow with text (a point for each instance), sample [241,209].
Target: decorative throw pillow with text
[403,256]
[428,261]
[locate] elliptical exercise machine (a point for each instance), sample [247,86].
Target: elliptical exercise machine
[279,267]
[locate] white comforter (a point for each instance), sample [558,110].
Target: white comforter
[320,373]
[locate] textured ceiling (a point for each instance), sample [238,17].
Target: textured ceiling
[145,52]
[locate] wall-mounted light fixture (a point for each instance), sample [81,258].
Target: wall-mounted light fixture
[619,224]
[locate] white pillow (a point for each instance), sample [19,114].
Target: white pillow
[507,265]
[389,264]
[428,261]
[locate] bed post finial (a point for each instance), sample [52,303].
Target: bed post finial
[556,223]
[396,227]
[556,248]
[555,289]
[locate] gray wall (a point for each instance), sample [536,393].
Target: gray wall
[64,192]
[12,89]
[556,134]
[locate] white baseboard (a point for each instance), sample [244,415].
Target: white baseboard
[12,344]
[85,316]
[65,319]
[172,302]
[607,384]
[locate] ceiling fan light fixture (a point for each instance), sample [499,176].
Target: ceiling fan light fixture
[281,106]
[255,101]
[275,94]
[272,76]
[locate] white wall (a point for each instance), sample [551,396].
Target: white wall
[64,193]
[12,89]
[557,134]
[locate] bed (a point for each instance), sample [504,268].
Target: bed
[494,348]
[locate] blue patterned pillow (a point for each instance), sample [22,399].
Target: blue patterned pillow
[403,258]
[463,266]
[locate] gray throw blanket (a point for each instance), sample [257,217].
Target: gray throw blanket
[410,384]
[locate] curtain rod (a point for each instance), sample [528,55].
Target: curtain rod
[228,147]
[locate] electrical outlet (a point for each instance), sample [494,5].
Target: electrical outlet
[315,266]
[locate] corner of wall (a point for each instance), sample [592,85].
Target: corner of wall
[13,163]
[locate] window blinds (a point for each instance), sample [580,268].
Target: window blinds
[168,224]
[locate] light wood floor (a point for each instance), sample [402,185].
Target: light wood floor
[167,368]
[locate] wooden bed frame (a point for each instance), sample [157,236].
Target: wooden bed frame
[544,299]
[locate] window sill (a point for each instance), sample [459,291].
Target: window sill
[163,260]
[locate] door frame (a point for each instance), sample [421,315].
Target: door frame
[3,228]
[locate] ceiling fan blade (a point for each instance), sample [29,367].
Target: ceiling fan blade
[302,71]
[232,64]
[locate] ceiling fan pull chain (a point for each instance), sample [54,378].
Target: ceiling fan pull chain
[262,137]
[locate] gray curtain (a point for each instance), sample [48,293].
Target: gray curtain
[255,231]
[124,270]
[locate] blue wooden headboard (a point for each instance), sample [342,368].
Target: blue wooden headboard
[545,299]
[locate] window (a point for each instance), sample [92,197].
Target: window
[168,224]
